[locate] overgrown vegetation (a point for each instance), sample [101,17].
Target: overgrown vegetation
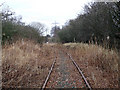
[13,28]
[99,65]
[25,64]
[25,60]
[99,23]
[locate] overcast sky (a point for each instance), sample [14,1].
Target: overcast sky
[46,11]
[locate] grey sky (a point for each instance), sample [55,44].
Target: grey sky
[46,11]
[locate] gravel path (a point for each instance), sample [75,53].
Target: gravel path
[64,74]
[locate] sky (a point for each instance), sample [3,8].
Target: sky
[46,11]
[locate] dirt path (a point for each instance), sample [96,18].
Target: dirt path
[64,74]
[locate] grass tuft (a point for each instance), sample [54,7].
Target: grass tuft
[25,64]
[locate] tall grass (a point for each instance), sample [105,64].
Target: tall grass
[25,64]
[99,64]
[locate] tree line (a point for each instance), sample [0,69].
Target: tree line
[99,23]
[13,28]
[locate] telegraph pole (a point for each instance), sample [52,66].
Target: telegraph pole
[55,32]
[55,24]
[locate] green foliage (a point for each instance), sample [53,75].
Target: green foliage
[8,31]
[96,24]
[13,29]
[64,36]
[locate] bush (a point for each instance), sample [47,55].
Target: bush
[13,29]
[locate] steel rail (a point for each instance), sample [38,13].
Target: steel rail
[80,71]
[46,80]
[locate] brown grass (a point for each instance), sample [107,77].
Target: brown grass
[25,64]
[100,65]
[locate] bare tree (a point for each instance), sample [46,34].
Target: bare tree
[39,27]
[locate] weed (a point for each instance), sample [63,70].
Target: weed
[25,63]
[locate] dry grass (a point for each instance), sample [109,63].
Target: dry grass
[26,64]
[99,65]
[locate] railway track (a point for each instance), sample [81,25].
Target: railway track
[46,80]
[80,71]
[77,67]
